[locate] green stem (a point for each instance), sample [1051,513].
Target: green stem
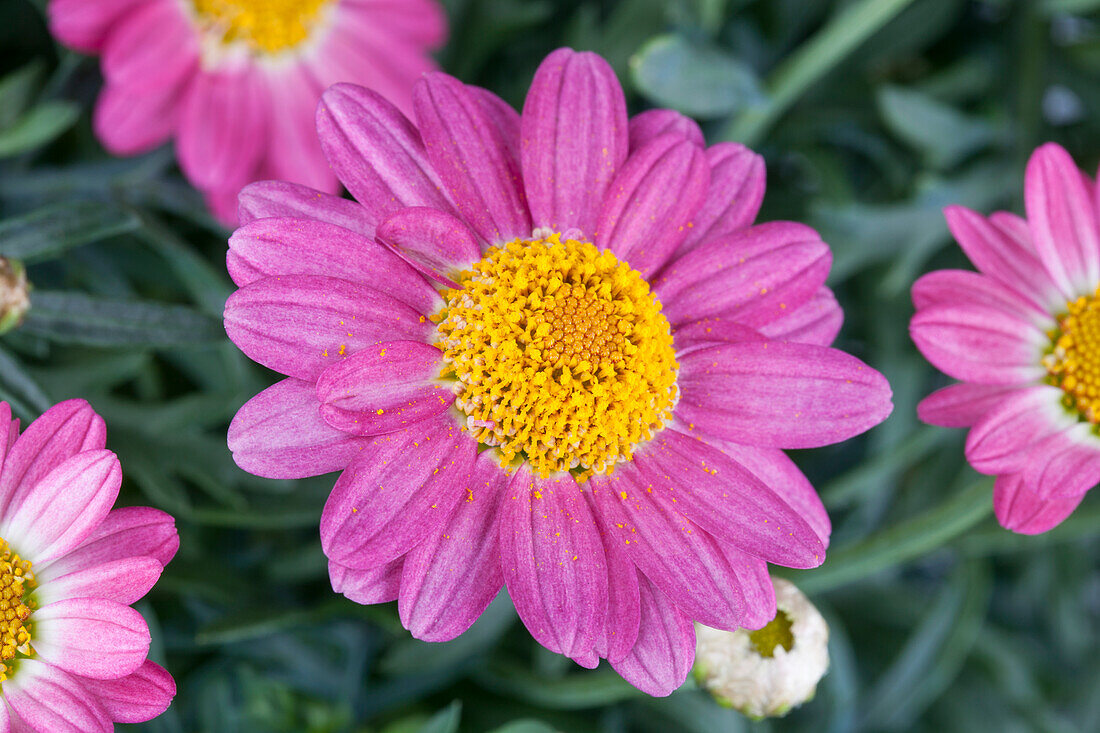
[815,58]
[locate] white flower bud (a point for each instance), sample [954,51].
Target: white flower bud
[14,301]
[765,673]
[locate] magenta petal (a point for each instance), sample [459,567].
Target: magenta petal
[7,427]
[620,629]
[780,394]
[124,581]
[708,332]
[129,123]
[961,405]
[141,695]
[280,199]
[65,506]
[755,276]
[127,532]
[976,343]
[1063,222]
[384,388]
[434,242]
[1067,464]
[574,139]
[301,325]
[451,577]
[503,115]
[469,152]
[91,637]
[656,122]
[293,151]
[737,184]
[1000,440]
[639,221]
[60,433]
[815,322]
[399,491]
[85,25]
[554,563]
[756,587]
[665,651]
[1022,510]
[152,46]
[48,699]
[373,585]
[1001,248]
[376,152]
[962,287]
[307,247]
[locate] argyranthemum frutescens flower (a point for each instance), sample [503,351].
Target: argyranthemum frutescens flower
[1023,337]
[72,651]
[236,82]
[549,352]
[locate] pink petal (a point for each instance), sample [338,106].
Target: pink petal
[575,139]
[306,247]
[815,322]
[470,154]
[373,585]
[961,405]
[1065,465]
[128,532]
[301,325]
[91,637]
[436,243]
[780,394]
[503,115]
[139,696]
[422,22]
[754,277]
[709,332]
[1063,221]
[279,199]
[962,287]
[450,578]
[756,587]
[7,428]
[620,630]
[85,25]
[293,151]
[737,184]
[64,507]
[976,343]
[1001,248]
[48,699]
[131,123]
[385,388]
[61,432]
[223,204]
[279,433]
[1022,510]
[656,122]
[398,492]
[223,129]
[554,564]
[639,221]
[124,581]
[376,152]
[152,46]
[1000,439]
[665,651]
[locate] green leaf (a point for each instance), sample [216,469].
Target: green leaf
[526,726]
[48,232]
[38,127]
[698,79]
[75,318]
[446,720]
[942,134]
[575,692]
[17,89]
[20,389]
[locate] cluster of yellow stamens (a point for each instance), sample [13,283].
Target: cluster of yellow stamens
[16,581]
[267,26]
[562,355]
[776,633]
[1073,362]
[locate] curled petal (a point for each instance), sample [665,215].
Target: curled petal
[372,585]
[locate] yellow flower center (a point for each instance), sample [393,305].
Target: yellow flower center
[267,26]
[1073,362]
[562,355]
[776,633]
[16,581]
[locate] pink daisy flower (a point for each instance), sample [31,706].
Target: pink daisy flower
[1023,337]
[236,82]
[72,651]
[548,352]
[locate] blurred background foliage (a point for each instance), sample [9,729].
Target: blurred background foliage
[872,114]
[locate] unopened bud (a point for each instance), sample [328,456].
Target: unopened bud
[767,672]
[14,302]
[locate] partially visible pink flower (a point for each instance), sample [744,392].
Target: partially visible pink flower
[72,651]
[1023,337]
[236,82]
[583,295]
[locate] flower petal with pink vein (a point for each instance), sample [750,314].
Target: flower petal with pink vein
[133,531]
[1067,464]
[91,637]
[656,122]
[49,699]
[152,46]
[961,405]
[1001,440]
[962,287]
[1022,510]
[293,150]
[141,695]
[373,585]
[665,651]
[620,630]
[503,115]
[434,242]
[85,25]
[124,581]
[816,322]
[279,199]
[129,124]
[737,183]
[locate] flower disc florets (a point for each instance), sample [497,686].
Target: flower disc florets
[267,26]
[1073,362]
[562,355]
[16,582]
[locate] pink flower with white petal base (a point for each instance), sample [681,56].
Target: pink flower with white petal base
[548,352]
[72,651]
[236,82]
[1023,337]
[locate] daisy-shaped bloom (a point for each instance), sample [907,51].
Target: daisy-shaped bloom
[547,351]
[236,82]
[72,651]
[1023,337]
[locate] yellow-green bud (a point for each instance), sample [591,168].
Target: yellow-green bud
[14,301]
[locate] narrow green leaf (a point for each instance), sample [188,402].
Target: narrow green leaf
[446,720]
[526,726]
[26,396]
[17,89]
[588,690]
[38,127]
[942,135]
[48,232]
